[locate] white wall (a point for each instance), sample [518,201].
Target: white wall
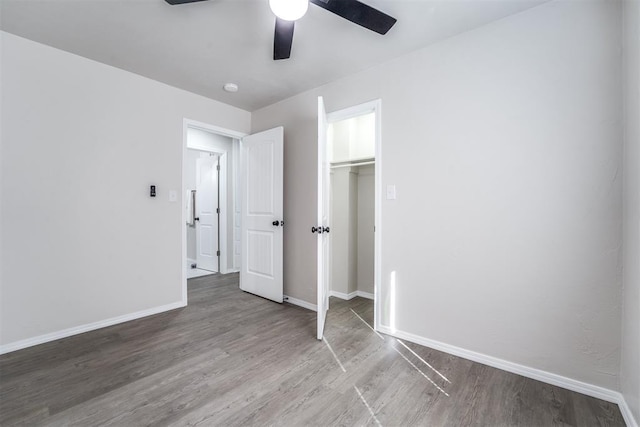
[366,211]
[505,147]
[199,139]
[353,230]
[630,365]
[82,241]
[343,214]
[352,138]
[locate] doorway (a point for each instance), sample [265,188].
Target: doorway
[217,150]
[351,149]
[349,202]
[248,185]
[202,179]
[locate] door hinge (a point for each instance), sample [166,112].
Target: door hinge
[217,210]
[218,167]
[218,253]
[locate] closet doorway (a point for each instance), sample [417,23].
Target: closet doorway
[352,148]
[352,199]
[349,158]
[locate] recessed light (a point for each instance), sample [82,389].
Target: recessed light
[230,87]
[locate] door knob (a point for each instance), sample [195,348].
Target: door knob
[316,230]
[276,223]
[325,229]
[196,219]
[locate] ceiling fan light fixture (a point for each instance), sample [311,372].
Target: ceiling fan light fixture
[289,10]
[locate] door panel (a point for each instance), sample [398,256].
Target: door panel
[262,214]
[323,218]
[260,256]
[260,178]
[206,211]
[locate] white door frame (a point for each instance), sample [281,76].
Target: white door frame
[374,106]
[225,256]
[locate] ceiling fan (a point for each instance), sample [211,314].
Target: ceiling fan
[288,11]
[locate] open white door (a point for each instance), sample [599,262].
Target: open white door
[207,213]
[323,218]
[262,214]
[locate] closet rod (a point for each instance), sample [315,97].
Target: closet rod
[352,165]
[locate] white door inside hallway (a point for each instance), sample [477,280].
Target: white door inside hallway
[262,219]
[207,211]
[322,228]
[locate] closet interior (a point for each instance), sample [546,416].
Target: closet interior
[352,156]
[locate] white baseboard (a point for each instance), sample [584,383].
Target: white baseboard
[300,303]
[351,295]
[526,371]
[366,295]
[342,295]
[30,342]
[626,412]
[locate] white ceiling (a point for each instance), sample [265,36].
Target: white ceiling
[200,46]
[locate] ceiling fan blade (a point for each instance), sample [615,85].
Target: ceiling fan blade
[282,39]
[358,13]
[174,2]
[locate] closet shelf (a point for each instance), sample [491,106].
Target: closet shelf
[351,163]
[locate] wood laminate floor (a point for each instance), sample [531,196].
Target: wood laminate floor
[233,359]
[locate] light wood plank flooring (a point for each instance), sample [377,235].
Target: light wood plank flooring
[233,359]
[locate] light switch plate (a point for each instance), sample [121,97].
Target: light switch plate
[391,192]
[173,196]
